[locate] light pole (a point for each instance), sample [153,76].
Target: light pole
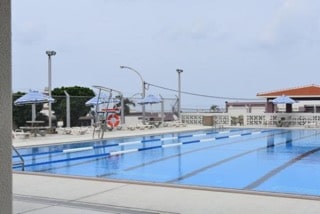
[143,90]
[50,53]
[179,90]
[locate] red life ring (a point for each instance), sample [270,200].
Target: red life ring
[113,120]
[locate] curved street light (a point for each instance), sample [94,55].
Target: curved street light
[50,53]
[143,89]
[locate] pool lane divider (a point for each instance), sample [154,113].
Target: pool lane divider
[81,149]
[122,152]
[172,138]
[77,149]
[115,153]
[179,154]
[66,159]
[183,143]
[130,143]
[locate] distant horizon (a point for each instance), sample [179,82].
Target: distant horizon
[226,49]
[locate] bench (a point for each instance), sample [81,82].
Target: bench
[41,130]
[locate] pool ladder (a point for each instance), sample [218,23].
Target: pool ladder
[18,163]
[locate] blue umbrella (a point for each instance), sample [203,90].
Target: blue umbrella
[100,100]
[33,97]
[150,99]
[283,100]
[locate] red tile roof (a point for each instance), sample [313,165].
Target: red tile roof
[304,91]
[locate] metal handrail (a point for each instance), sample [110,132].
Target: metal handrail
[20,156]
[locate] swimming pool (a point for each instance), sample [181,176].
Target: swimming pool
[278,160]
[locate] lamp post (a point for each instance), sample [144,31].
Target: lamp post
[143,89]
[50,53]
[179,90]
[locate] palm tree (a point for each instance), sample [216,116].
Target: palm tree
[126,102]
[214,108]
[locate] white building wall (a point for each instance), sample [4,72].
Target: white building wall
[244,110]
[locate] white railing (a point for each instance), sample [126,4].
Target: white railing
[253,119]
[192,118]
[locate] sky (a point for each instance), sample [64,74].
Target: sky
[229,50]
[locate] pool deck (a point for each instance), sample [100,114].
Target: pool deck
[39,193]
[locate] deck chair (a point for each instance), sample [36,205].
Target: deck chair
[20,134]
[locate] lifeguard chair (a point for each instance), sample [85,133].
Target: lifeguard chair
[106,118]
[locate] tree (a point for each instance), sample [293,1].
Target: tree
[126,102]
[214,108]
[78,97]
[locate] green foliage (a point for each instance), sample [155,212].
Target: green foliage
[126,102]
[78,97]
[214,108]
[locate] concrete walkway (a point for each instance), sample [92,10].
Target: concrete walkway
[38,193]
[51,195]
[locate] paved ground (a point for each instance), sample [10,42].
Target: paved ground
[34,193]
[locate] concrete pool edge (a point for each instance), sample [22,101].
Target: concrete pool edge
[180,186]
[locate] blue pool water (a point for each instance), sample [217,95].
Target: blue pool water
[283,161]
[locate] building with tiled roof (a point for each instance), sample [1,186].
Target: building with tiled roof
[304,92]
[307,97]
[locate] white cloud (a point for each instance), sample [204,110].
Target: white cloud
[196,30]
[297,22]
[28,32]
